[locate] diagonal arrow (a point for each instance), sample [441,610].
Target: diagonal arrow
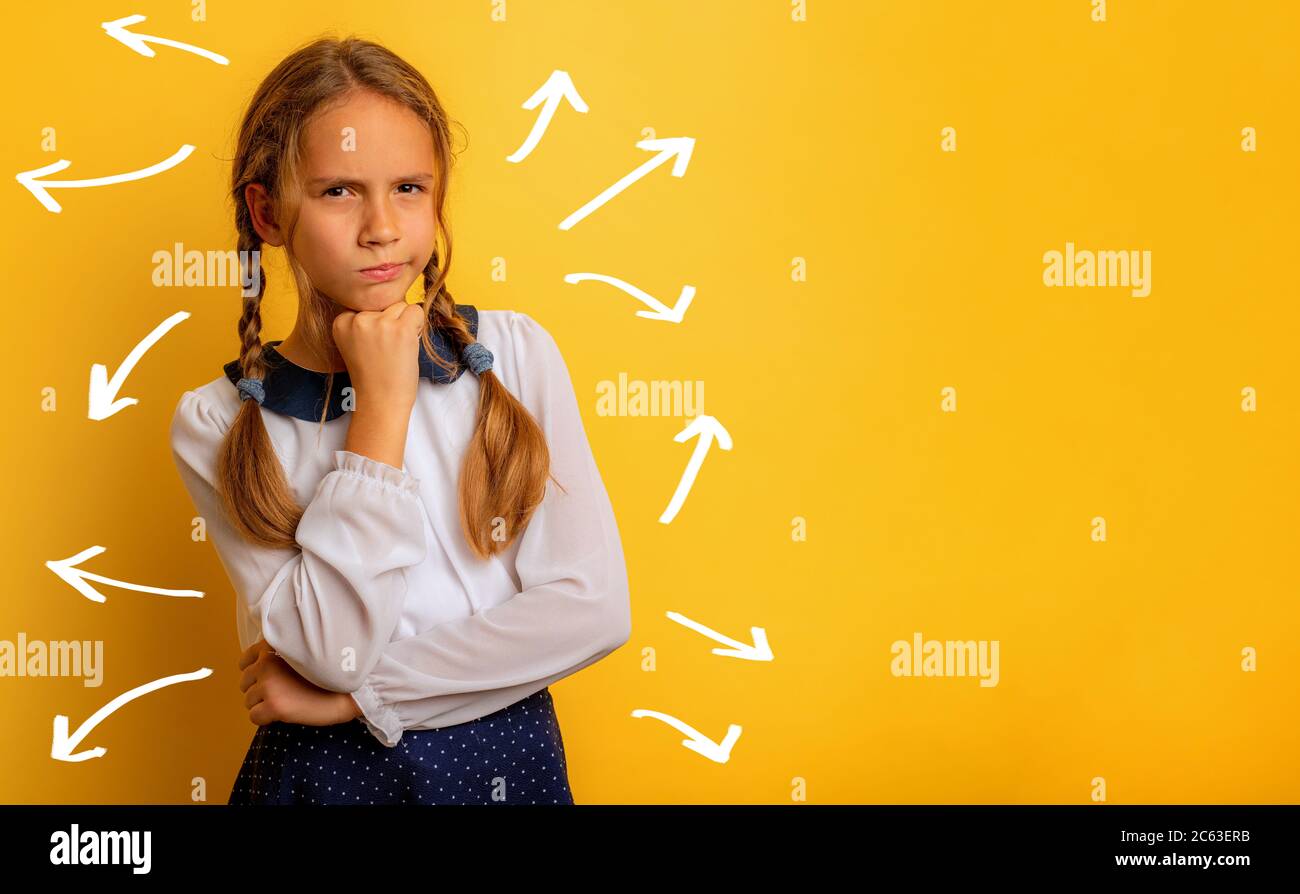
[76,578]
[117,29]
[40,188]
[679,149]
[720,752]
[62,745]
[559,86]
[759,651]
[103,401]
[707,428]
[660,310]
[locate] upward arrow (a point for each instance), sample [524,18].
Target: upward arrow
[707,428]
[559,86]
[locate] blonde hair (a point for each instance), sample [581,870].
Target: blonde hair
[504,475]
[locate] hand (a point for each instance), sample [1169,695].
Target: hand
[382,353]
[275,691]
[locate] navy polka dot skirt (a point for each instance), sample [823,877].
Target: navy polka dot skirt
[511,756]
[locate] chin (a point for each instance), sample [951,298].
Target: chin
[376,297]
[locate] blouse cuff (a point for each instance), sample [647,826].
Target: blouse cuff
[380,719]
[358,466]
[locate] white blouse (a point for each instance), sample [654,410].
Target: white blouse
[383,597]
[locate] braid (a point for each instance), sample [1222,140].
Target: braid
[441,309]
[250,321]
[254,491]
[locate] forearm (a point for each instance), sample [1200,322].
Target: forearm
[378,431]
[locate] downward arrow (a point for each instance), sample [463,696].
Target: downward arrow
[719,752]
[62,745]
[759,651]
[103,392]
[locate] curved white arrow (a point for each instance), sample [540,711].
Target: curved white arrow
[557,87]
[707,428]
[139,42]
[103,401]
[719,752]
[77,578]
[661,311]
[677,148]
[62,745]
[40,188]
[759,651]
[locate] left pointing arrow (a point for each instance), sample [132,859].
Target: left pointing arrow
[76,578]
[40,188]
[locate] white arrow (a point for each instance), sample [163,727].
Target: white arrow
[76,578]
[707,428]
[40,188]
[677,148]
[104,401]
[661,311]
[62,746]
[719,752]
[759,651]
[557,87]
[140,42]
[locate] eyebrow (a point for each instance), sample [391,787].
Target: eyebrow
[346,181]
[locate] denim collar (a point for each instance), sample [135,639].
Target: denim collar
[298,392]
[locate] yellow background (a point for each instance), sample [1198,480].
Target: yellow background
[816,140]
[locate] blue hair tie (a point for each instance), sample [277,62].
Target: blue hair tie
[251,388]
[477,357]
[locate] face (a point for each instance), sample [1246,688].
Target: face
[367,200]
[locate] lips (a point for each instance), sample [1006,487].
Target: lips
[383,272]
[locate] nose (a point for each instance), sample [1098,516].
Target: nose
[380,224]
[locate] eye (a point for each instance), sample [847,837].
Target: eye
[416,185]
[331,189]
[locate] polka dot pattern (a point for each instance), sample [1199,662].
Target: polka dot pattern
[512,756]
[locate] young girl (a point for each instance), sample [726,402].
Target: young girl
[409,582]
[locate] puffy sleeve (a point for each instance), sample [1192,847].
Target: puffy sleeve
[573,607]
[330,605]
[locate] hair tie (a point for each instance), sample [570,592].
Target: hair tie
[477,357]
[251,388]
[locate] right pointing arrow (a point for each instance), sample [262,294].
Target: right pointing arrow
[759,651]
[677,148]
[659,311]
[718,752]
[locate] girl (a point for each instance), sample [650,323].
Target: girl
[408,582]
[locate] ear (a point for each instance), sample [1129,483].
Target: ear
[262,209]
